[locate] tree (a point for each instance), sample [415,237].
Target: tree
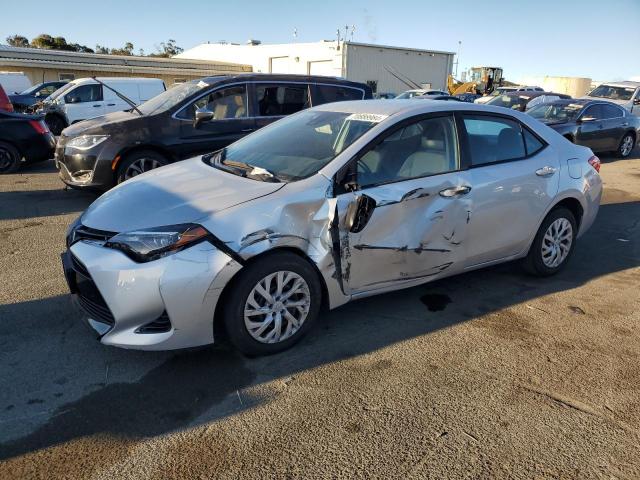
[18,41]
[168,49]
[126,50]
[48,42]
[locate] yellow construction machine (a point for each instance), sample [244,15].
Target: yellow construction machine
[483,80]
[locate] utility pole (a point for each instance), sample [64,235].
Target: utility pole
[457,59]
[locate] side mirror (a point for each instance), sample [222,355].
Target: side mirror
[359,213]
[202,115]
[636,101]
[72,100]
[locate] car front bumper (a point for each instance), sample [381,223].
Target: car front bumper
[85,169]
[177,294]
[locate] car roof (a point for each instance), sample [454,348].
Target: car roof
[278,77]
[395,106]
[626,83]
[115,79]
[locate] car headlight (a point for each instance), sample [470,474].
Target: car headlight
[85,142]
[153,243]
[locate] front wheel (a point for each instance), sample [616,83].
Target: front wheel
[272,304]
[626,145]
[554,243]
[139,162]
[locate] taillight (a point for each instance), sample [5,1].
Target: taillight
[595,163]
[6,106]
[39,126]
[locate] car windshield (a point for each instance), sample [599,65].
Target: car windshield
[613,93]
[558,112]
[295,147]
[31,90]
[60,91]
[516,102]
[171,97]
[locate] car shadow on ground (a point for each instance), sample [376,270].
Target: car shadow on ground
[43,203]
[187,388]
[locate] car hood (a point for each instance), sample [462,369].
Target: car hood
[109,123]
[184,192]
[17,98]
[553,123]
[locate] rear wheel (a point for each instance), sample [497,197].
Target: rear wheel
[553,244]
[626,145]
[139,162]
[272,304]
[9,158]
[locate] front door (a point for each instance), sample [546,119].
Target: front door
[84,102]
[230,121]
[515,177]
[591,128]
[406,220]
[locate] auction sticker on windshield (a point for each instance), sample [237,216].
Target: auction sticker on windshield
[366,117]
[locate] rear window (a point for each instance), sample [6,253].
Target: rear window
[330,93]
[280,100]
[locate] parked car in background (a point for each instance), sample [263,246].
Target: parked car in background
[23,137]
[384,95]
[503,90]
[418,93]
[5,103]
[522,101]
[27,99]
[189,119]
[468,97]
[366,198]
[625,94]
[85,98]
[14,82]
[601,126]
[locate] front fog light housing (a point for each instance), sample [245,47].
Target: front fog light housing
[85,142]
[153,243]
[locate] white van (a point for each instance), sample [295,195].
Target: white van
[14,82]
[85,98]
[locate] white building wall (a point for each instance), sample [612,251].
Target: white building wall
[354,61]
[367,63]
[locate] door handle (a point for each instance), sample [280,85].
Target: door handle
[455,191]
[245,130]
[110,105]
[625,124]
[545,171]
[97,105]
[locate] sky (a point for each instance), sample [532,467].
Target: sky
[599,39]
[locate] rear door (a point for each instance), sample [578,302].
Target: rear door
[613,126]
[411,204]
[114,103]
[272,101]
[231,120]
[84,102]
[515,177]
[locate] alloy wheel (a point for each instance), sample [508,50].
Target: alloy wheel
[139,166]
[277,306]
[556,243]
[6,159]
[627,145]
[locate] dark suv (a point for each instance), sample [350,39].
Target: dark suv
[187,120]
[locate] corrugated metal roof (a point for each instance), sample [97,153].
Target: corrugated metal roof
[58,57]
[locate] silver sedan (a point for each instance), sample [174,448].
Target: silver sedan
[332,204]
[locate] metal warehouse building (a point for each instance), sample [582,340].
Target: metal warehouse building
[360,62]
[47,65]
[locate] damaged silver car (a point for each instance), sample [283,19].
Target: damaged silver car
[332,204]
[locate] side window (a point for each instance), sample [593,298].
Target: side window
[532,144]
[428,147]
[329,93]
[84,93]
[594,112]
[493,139]
[279,100]
[611,111]
[226,103]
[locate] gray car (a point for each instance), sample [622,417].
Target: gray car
[332,204]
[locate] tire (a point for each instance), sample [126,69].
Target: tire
[139,162]
[55,123]
[293,269]
[626,145]
[539,264]
[9,158]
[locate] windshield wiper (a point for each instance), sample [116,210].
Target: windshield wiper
[128,100]
[252,170]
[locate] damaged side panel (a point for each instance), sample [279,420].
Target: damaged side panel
[413,234]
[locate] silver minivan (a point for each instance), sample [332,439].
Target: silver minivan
[335,203]
[626,94]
